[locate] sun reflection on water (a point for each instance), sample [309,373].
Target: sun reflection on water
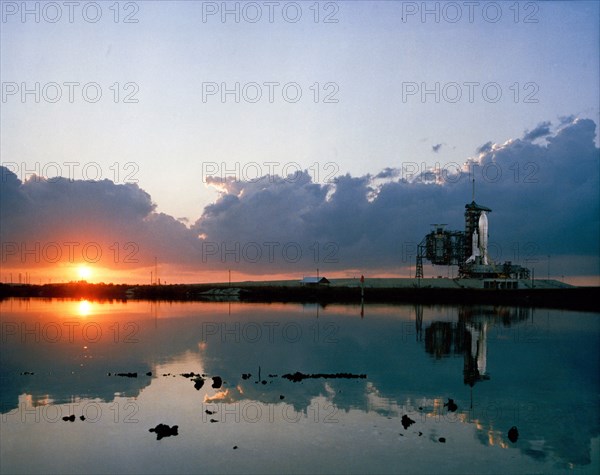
[84,308]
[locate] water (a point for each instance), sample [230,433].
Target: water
[536,370]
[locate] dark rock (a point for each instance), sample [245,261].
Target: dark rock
[198,382]
[210,413]
[82,418]
[297,376]
[281,396]
[70,418]
[420,433]
[513,434]
[235,447]
[163,430]
[213,421]
[406,421]
[127,375]
[149,373]
[264,381]
[451,405]
[246,375]
[217,382]
[442,440]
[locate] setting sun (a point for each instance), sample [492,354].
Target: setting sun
[84,272]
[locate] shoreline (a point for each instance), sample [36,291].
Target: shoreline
[559,297]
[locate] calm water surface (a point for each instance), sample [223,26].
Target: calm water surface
[388,409]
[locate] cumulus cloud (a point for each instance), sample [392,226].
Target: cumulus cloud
[566,119]
[544,200]
[486,147]
[47,221]
[388,172]
[542,130]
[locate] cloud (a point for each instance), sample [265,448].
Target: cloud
[544,200]
[47,221]
[542,130]
[566,119]
[388,172]
[486,147]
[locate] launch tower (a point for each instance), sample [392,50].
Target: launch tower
[468,250]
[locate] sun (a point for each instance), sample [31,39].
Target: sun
[84,272]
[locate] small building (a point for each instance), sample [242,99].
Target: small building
[314,281]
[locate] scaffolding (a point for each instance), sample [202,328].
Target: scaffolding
[447,248]
[440,247]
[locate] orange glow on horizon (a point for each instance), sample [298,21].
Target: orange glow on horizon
[177,274]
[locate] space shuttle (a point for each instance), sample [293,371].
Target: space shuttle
[479,241]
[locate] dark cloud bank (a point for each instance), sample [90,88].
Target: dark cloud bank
[544,198]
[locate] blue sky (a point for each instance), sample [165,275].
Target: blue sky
[546,65]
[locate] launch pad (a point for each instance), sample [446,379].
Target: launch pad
[468,250]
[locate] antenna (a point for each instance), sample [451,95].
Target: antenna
[473,188]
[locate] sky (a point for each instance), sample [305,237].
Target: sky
[272,139]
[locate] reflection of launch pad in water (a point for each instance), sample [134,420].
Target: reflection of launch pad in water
[468,336]
[468,250]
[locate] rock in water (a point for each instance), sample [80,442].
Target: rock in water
[198,382]
[163,430]
[217,382]
[406,421]
[127,375]
[513,434]
[451,405]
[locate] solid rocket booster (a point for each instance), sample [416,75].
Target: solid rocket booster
[483,237]
[475,244]
[474,247]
